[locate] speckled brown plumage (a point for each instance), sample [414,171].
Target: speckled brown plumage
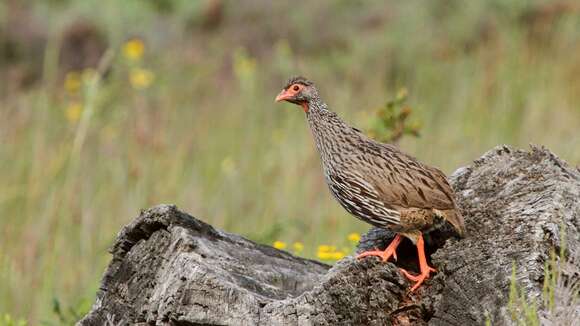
[375,182]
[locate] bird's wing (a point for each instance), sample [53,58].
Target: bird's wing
[416,188]
[403,182]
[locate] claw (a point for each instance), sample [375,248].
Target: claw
[387,253]
[418,279]
[384,255]
[408,275]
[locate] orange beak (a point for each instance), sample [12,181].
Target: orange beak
[284,95]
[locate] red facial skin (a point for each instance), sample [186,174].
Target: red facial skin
[289,93]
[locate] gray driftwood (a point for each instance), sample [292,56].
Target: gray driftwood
[170,268]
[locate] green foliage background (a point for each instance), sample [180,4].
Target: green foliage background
[206,135]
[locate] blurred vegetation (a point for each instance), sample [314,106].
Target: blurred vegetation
[391,121]
[104,112]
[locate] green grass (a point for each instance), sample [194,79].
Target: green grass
[206,135]
[8,320]
[559,297]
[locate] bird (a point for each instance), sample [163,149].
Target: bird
[376,182]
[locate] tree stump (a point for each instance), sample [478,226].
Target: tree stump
[169,268]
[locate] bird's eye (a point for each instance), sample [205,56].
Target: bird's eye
[296,88]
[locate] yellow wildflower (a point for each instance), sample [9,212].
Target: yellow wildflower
[326,248]
[337,255]
[298,247]
[141,78]
[72,82]
[330,255]
[133,49]
[324,255]
[354,237]
[326,252]
[279,244]
[73,112]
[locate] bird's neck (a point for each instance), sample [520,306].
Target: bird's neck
[333,137]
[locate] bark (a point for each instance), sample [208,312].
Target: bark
[170,268]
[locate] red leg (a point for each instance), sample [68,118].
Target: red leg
[387,253]
[425,269]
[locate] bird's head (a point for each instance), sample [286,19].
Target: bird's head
[300,91]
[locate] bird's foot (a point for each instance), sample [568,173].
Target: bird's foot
[383,254]
[418,279]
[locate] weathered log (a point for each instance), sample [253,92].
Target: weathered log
[170,268]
